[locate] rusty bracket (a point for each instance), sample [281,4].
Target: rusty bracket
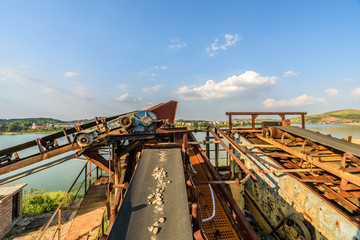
[98,124]
[78,128]
[39,143]
[103,121]
[66,135]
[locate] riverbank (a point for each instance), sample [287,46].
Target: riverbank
[29,132]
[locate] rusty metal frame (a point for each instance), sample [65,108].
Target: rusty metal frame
[247,231]
[319,188]
[237,160]
[254,115]
[313,160]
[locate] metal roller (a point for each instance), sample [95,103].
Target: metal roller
[125,121]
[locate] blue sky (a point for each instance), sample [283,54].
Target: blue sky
[79,59]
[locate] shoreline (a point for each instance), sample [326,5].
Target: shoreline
[49,132]
[23,133]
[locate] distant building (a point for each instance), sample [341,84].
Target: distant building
[10,207]
[64,125]
[42,126]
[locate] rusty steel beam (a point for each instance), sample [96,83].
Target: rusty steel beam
[338,172]
[292,170]
[322,179]
[236,182]
[254,115]
[94,157]
[236,159]
[50,137]
[266,113]
[37,158]
[342,199]
[272,154]
[247,232]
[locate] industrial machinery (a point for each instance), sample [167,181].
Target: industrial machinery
[278,181]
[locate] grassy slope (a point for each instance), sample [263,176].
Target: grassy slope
[340,116]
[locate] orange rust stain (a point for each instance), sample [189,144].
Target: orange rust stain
[220,226]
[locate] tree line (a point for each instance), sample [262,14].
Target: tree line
[17,125]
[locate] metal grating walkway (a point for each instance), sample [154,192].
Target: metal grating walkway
[219,227]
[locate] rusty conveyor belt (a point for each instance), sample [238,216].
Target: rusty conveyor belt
[325,140]
[136,215]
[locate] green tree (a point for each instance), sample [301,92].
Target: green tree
[14,127]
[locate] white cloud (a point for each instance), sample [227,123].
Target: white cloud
[81,91]
[355,93]
[152,89]
[295,102]
[332,91]
[177,44]
[48,90]
[349,80]
[160,67]
[123,86]
[291,73]
[17,76]
[122,98]
[126,98]
[71,74]
[235,85]
[3,79]
[25,66]
[152,72]
[227,41]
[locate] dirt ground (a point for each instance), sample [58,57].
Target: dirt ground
[29,227]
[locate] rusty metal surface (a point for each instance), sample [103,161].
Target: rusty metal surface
[36,169]
[322,139]
[279,196]
[219,227]
[330,167]
[266,113]
[254,115]
[135,215]
[165,111]
[48,146]
[232,154]
[247,232]
[17,164]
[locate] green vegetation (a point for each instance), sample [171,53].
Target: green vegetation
[17,125]
[24,125]
[340,116]
[39,201]
[106,225]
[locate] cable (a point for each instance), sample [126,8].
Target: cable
[192,168]
[213,203]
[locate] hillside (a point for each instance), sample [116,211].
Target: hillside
[340,116]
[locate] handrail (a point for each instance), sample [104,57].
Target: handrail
[237,160]
[63,200]
[247,231]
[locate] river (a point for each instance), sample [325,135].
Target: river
[60,177]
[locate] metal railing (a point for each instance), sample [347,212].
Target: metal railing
[59,209]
